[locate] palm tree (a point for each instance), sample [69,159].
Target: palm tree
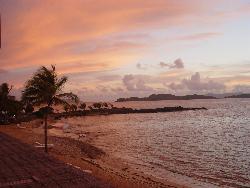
[9,106]
[90,108]
[66,108]
[111,105]
[83,106]
[97,105]
[105,105]
[5,89]
[4,96]
[73,107]
[45,88]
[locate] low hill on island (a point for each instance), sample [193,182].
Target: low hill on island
[239,96]
[158,97]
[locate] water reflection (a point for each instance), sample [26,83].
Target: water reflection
[210,146]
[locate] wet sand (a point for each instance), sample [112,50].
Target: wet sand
[83,155]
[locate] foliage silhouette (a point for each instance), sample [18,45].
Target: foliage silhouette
[45,88]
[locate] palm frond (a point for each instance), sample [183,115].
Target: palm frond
[68,96]
[44,87]
[58,101]
[60,83]
[53,68]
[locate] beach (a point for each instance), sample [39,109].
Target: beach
[81,154]
[204,148]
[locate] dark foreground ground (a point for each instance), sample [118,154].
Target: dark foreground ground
[21,165]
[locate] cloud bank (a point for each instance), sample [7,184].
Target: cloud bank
[196,84]
[136,83]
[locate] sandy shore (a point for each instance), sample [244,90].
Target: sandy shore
[87,157]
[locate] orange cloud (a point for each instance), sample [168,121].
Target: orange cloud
[45,32]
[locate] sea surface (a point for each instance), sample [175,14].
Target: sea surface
[206,148]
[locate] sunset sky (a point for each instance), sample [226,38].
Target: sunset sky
[122,48]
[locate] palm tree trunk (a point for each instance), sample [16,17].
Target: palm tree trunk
[46,132]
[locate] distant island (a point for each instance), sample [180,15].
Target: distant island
[239,96]
[158,97]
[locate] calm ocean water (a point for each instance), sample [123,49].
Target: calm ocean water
[197,148]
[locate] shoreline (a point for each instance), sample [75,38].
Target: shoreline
[83,155]
[124,110]
[98,111]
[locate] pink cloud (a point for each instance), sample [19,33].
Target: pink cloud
[45,32]
[195,84]
[136,83]
[199,36]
